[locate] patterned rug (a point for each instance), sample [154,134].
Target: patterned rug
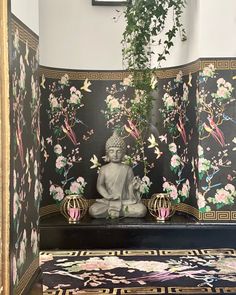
[190,271]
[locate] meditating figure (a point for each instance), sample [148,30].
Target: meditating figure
[117,185]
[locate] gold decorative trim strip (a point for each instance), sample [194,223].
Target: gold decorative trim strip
[27,276]
[142,252]
[4,151]
[218,216]
[24,35]
[82,75]
[185,208]
[145,290]
[182,207]
[49,209]
[194,67]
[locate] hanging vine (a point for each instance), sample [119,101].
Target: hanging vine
[150,31]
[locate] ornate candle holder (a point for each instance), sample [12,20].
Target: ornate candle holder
[74,207]
[161,207]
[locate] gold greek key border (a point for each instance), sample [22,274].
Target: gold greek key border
[4,151]
[143,252]
[182,207]
[193,67]
[82,75]
[24,34]
[218,215]
[27,276]
[146,290]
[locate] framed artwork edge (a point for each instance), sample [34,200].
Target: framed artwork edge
[109,3]
[5,271]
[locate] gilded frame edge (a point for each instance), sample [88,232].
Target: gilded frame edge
[109,3]
[5,271]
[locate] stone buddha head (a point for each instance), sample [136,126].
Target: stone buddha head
[115,148]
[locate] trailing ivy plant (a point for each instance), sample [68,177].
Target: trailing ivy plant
[147,30]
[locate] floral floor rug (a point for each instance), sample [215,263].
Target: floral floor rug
[189,271]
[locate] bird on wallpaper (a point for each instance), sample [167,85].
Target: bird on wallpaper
[190,79]
[213,133]
[43,81]
[163,138]
[80,122]
[67,180]
[181,129]
[86,85]
[132,130]
[69,132]
[209,177]
[207,188]
[227,118]
[219,133]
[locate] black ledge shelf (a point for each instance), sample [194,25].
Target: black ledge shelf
[180,232]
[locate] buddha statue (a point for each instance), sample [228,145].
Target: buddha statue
[117,185]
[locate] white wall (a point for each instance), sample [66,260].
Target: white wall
[217,21]
[76,35]
[28,12]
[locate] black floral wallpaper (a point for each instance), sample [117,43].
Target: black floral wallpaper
[216,120]
[178,154]
[77,119]
[25,149]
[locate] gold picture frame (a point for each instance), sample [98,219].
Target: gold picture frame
[109,2]
[4,151]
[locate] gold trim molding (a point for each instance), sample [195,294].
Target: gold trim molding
[4,151]
[24,34]
[182,207]
[193,67]
[27,276]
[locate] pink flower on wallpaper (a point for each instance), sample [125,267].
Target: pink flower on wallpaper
[222,196]
[61,162]
[185,188]
[175,161]
[222,91]
[201,202]
[174,192]
[171,189]
[57,192]
[75,187]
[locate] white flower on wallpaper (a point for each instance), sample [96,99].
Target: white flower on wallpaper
[22,250]
[14,270]
[57,192]
[34,241]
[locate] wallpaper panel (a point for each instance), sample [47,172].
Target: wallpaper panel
[77,117]
[179,154]
[25,152]
[216,118]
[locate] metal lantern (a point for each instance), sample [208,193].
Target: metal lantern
[160,206]
[74,207]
